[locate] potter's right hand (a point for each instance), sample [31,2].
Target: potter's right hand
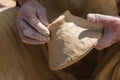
[31,23]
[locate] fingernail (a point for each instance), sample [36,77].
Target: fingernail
[91,17]
[43,29]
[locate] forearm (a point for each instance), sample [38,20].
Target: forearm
[21,2]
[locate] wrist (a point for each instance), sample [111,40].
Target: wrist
[22,2]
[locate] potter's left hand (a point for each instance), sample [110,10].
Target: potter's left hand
[111,34]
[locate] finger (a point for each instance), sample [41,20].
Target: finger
[35,23]
[42,16]
[108,21]
[19,24]
[28,40]
[34,35]
[29,32]
[107,39]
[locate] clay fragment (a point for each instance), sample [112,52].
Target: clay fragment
[72,38]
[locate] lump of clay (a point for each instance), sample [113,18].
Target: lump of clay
[72,38]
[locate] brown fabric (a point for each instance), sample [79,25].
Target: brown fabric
[17,60]
[20,61]
[107,7]
[109,66]
[72,38]
[56,7]
[118,6]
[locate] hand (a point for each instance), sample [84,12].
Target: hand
[111,34]
[31,23]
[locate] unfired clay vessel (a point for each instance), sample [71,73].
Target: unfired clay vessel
[72,38]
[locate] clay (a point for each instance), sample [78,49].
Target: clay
[72,38]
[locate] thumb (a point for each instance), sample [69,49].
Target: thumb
[43,16]
[105,20]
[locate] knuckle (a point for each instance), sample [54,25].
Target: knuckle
[42,9]
[33,21]
[23,12]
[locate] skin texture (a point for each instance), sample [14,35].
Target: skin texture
[32,22]
[111,31]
